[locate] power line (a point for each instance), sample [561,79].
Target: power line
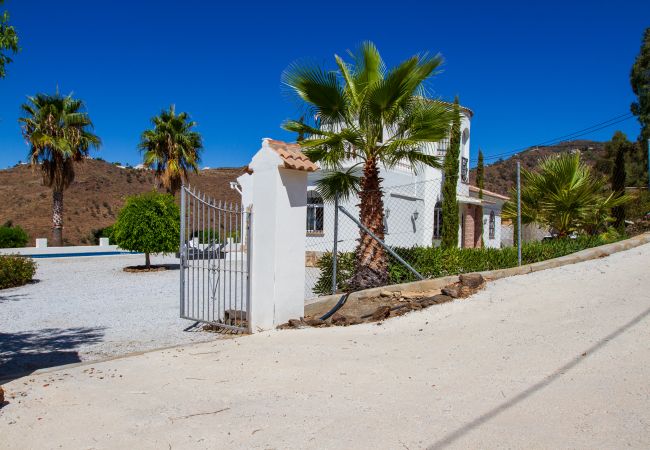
[566,137]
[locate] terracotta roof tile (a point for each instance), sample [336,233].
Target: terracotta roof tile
[292,155]
[489,193]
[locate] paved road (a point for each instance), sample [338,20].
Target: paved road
[553,359]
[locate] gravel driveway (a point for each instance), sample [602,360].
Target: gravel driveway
[87,308]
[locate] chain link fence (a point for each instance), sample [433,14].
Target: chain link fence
[412,221]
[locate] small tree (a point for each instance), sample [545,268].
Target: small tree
[148,223]
[451,168]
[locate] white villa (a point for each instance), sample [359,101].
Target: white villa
[412,202]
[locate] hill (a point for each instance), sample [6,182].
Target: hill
[93,200]
[501,175]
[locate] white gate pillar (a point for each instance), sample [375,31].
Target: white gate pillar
[278,194]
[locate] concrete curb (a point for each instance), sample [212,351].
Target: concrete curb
[325,303]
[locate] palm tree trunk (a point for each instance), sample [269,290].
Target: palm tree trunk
[371,267]
[57,219]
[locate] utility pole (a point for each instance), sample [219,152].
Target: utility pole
[518,213]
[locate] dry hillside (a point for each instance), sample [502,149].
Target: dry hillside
[93,200]
[500,175]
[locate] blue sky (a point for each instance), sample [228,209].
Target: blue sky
[530,71]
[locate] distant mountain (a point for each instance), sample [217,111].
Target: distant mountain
[501,176]
[93,200]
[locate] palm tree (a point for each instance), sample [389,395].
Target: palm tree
[58,131]
[366,113]
[171,148]
[565,196]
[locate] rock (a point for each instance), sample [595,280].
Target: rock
[315,322]
[385,294]
[452,291]
[2,395]
[381,313]
[441,298]
[339,319]
[296,323]
[465,291]
[472,280]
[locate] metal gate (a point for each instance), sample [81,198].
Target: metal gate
[214,261]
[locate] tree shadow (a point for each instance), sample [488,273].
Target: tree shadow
[24,352]
[460,432]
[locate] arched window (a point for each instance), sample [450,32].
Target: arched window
[315,212]
[437,221]
[492,224]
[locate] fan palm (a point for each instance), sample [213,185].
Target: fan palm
[565,196]
[58,131]
[171,148]
[375,116]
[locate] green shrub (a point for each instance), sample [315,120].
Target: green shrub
[148,223]
[106,232]
[12,237]
[434,262]
[15,270]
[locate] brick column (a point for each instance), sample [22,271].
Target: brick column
[468,240]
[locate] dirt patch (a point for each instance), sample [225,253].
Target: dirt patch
[391,304]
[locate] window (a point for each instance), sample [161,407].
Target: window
[492,225]
[437,221]
[464,170]
[315,212]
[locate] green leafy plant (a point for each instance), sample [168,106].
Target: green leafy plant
[449,232]
[12,236]
[565,196]
[8,41]
[16,270]
[148,223]
[377,116]
[434,262]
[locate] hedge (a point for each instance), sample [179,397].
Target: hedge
[16,270]
[12,237]
[434,262]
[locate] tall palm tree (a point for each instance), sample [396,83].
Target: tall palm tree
[58,131]
[375,116]
[565,196]
[171,148]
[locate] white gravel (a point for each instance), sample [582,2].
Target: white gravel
[87,308]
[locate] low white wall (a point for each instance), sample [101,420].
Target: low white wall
[35,251]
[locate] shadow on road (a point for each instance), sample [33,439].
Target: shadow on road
[22,353]
[460,432]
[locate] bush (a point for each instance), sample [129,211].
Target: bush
[106,232]
[148,223]
[12,237]
[15,270]
[434,262]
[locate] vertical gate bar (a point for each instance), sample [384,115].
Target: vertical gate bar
[210,238]
[237,290]
[203,260]
[249,249]
[218,290]
[195,294]
[180,250]
[229,264]
[240,253]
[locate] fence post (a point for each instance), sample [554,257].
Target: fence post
[277,238]
[336,241]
